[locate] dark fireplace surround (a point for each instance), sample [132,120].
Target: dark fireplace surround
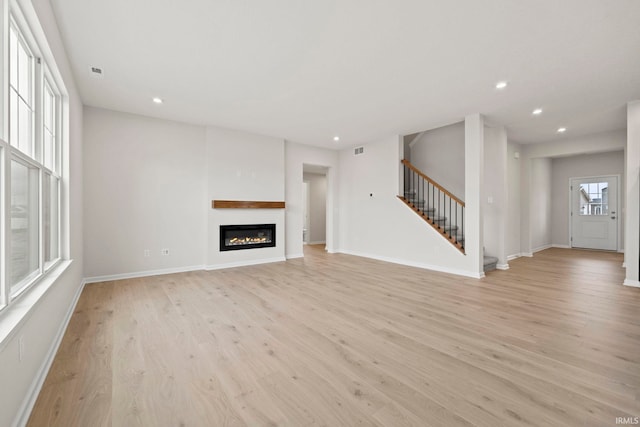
[250,236]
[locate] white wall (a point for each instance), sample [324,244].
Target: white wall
[495,193]
[474,145]
[144,189]
[149,186]
[244,166]
[376,224]
[632,199]
[317,206]
[586,165]
[296,156]
[439,153]
[43,325]
[513,200]
[540,209]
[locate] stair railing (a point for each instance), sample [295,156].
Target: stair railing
[441,209]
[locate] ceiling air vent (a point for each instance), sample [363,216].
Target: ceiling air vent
[358,150]
[96,72]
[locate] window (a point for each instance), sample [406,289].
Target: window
[21,76]
[23,264]
[594,198]
[50,199]
[30,163]
[49,146]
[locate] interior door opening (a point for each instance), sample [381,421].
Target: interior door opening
[315,205]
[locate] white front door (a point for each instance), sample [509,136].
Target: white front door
[594,213]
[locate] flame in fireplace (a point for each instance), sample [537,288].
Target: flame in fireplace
[247,240]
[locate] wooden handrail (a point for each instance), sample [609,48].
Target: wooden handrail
[408,164]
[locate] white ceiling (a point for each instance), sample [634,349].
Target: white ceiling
[307,70]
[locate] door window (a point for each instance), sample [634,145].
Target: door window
[594,198]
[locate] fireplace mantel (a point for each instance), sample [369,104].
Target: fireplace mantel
[245,204]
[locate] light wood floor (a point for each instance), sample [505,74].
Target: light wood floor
[338,340]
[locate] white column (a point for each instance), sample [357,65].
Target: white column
[332,211]
[494,195]
[501,197]
[632,205]
[403,150]
[473,187]
[294,203]
[525,203]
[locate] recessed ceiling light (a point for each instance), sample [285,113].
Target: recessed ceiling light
[537,111]
[336,138]
[501,85]
[157,100]
[562,130]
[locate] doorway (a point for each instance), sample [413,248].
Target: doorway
[306,202]
[594,213]
[315,204]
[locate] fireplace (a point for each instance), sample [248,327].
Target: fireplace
[238,237]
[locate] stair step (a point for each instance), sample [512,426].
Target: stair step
[490,263]
[420,205]
[450,229]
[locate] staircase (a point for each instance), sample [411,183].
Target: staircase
[433,203]
[438,207]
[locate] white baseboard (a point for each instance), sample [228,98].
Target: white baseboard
[416,264]
[514,256]
[133,275]
[319,242]
[541,248]
[36,386]
[561,246]
[527,254]
[244,263]
[502,266]
[294,256]
[632,283]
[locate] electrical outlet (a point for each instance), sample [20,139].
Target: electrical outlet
[21,348]
[147,253]
[165,252]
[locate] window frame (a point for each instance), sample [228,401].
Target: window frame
[48,84]
[19,157]
[32,75]
[42,83]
